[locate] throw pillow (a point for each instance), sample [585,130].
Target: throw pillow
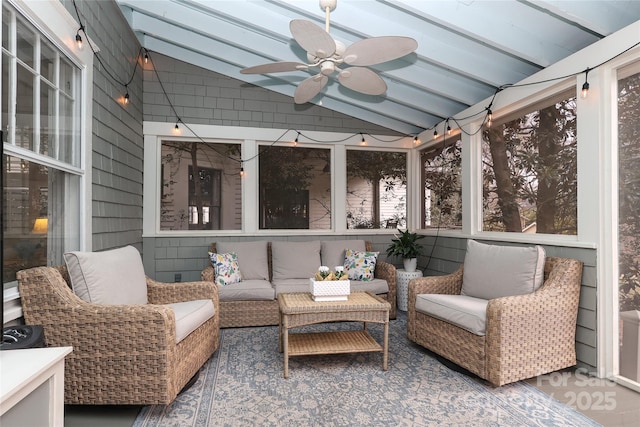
[109,277]
[493,271]
[360,265]
[226,267]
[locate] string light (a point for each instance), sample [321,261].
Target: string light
[363,142]
[126,96]
[295,143]
[448,128]
[585,87]
[435,133]
[241,167]
[416,141]
[146,57]
[489,117]
[79,37]
[176,129]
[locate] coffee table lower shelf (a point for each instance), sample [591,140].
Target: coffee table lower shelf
[358,341]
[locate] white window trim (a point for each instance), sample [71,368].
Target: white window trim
[251,139]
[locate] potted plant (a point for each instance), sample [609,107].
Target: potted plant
[406,246]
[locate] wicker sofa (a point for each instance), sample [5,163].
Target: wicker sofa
[525,335]
[122,354]
[248,310]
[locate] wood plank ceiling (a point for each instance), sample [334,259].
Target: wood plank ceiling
[466,48]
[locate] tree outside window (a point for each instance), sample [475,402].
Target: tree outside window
[629,188]
[442,185]
[376,189]
[295,188]
[529,165]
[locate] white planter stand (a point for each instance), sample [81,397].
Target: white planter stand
[402,285]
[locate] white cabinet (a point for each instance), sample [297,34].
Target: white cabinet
[32,387]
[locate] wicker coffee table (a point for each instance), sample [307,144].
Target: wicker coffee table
[299,309]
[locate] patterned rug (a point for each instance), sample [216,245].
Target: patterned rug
[243,385]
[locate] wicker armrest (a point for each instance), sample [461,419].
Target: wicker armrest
[387,271]
[167,293]
[207,274]
[447,284]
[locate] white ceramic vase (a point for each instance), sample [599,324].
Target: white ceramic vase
[410,264]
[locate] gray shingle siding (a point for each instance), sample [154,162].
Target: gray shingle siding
[117,150]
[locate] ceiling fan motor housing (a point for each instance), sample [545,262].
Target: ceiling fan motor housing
[331,4]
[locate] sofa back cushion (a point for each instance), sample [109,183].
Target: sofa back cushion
[332,252]
[492,271]
[295,260]
[252,258]
[109,277]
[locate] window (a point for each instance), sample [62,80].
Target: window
[628,218]
[295,188]
[201,186]
[41,92]
[529,167]
[376,189]
[442,187]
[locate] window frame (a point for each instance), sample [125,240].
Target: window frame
[251,141]
[53,23]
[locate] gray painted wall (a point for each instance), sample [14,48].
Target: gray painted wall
[117,129]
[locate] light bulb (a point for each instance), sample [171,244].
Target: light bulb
[79,40]
[435,134]
[126,98]
[146,58]
[585,90]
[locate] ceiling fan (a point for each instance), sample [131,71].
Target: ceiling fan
[330,55]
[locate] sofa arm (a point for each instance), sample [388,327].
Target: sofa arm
[208,274]
[168,293]
[531,334]
[387,271]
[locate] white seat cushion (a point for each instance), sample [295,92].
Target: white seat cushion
[190,315]
[260,290]
[463,311]
[108,277]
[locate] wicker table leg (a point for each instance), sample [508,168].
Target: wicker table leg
[385,350]
[285,344]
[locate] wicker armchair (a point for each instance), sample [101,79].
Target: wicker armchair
[526,335]
[122,354]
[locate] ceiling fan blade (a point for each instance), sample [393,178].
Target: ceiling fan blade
[362,80]
[274,67]
[379,49]
[309,88]
[312,38]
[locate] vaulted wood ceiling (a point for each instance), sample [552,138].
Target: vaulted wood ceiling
[466,48]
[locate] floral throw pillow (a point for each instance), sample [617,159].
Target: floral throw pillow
[226,267]
[360,265]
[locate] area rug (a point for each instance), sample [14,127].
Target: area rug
[243,385]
